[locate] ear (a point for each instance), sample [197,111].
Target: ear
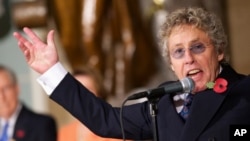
[220,56]
[172,67]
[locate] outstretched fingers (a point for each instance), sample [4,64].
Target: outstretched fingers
[21,41]
[39,55]
[25,50]
[33,37]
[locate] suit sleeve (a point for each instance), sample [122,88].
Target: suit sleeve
[99,116]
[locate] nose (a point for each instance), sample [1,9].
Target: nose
[189,58]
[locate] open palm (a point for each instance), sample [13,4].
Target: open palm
[39,55]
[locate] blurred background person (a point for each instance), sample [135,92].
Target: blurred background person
[75,130]
[17,122]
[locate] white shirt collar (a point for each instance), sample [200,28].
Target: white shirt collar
[11,121]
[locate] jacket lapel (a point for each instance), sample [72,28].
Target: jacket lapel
[21,124]
[205,105]
[167,121]
[208,103]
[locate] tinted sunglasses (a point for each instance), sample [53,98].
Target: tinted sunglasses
[179,53]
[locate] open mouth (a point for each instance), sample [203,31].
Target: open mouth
[193,73]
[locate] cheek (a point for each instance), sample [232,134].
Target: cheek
[12,99]
[174,64]
[178,70]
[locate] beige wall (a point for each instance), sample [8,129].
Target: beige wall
[239,28]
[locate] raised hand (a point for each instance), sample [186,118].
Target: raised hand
[39,55]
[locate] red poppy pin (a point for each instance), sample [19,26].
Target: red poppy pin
[20,133]
[219,86]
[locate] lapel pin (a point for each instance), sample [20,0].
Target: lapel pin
[219,86]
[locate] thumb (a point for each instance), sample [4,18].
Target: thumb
[50,38]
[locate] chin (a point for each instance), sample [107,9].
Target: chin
[199,89]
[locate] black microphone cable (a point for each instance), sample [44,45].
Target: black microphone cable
[121,119]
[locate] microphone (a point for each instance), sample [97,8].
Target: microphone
[185,85]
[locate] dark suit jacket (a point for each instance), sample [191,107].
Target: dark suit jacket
[31,126]
[210,119]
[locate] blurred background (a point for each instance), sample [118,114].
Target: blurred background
[118,38]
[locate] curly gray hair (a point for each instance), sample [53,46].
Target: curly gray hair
[199,18]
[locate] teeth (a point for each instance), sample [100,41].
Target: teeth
[193,71]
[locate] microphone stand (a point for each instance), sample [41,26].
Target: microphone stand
[153,111]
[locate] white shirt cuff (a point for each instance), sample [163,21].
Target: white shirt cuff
[52,77]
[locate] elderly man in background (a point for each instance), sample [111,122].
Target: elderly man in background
[17,122]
